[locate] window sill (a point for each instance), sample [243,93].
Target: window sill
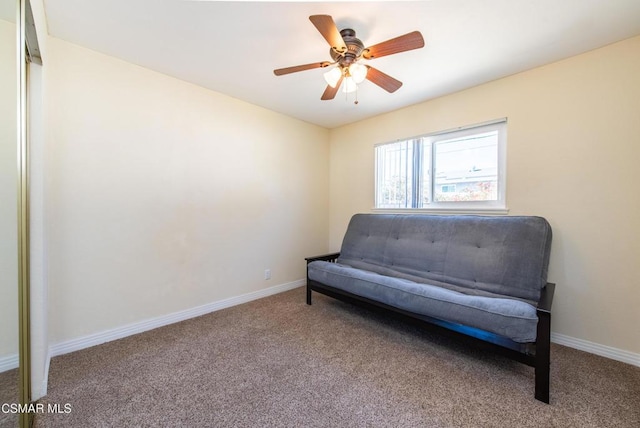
[440,210]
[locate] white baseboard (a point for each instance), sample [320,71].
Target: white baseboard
[597,349]
[9,362]
[142,326]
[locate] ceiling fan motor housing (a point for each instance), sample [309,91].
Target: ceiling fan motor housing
[354,48]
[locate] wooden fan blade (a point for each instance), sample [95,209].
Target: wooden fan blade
[329,92]
[328,29]
[383,80]
[404,43]
[295,69]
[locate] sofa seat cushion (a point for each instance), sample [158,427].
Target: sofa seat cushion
[511,318]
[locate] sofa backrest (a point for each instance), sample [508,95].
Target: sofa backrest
[482,255]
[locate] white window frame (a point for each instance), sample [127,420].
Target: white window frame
[498,206]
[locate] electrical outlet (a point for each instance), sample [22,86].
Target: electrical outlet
[267,274]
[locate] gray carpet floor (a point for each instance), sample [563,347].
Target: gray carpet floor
[277,362]
[8,395]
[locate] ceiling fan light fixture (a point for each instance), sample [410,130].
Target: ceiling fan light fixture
[332,77]
[358,72]
[350,85]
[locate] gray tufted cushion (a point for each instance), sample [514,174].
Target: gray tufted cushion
[475,255]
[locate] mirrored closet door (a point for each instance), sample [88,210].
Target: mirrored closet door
[16,22]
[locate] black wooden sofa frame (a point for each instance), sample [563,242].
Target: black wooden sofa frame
[536,355]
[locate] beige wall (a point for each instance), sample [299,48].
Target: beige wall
[163,196]
[573,156]
[8,194]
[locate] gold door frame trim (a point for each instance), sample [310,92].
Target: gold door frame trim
[24,345]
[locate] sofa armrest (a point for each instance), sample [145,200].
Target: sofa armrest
[332,257]
[546,297]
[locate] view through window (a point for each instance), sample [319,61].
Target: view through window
[463,168]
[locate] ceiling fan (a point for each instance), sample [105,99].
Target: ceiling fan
[347,50]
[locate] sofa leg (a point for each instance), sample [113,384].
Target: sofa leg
[543,356]
[542,384]
[308,295]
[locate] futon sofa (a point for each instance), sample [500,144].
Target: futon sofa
[480,278]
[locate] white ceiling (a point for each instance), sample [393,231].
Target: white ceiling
[8,10]
[233,47]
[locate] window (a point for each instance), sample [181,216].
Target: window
[459,169]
